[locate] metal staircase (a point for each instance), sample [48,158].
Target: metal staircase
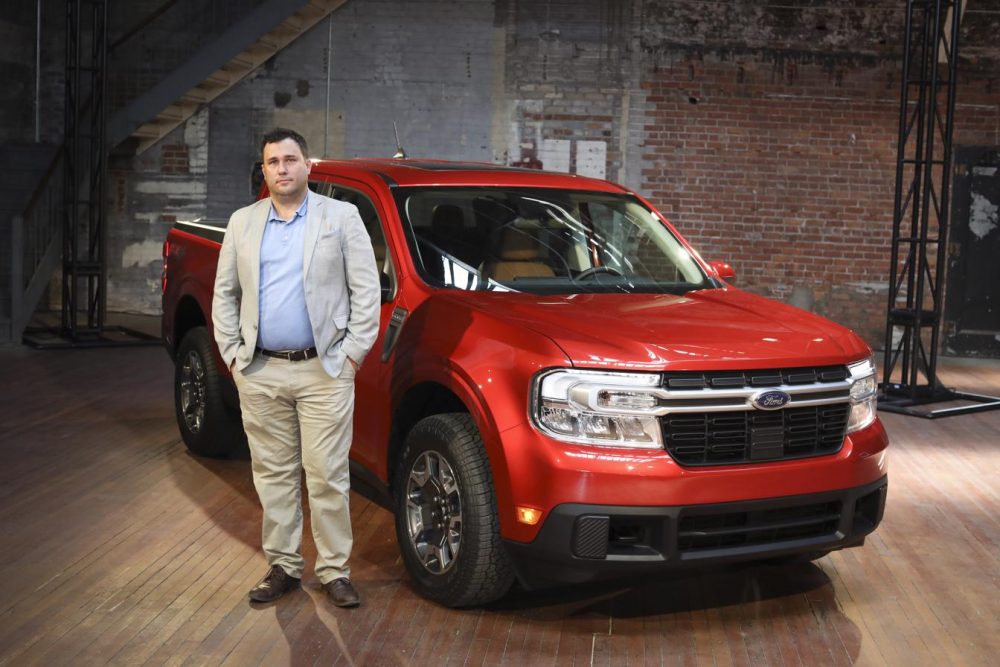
[36,230]
[215,69]
[22,168]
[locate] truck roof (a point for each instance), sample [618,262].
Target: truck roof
[419,172]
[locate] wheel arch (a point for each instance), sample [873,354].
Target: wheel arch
[187,316]
[421,400]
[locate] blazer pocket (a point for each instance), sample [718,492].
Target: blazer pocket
[340,321]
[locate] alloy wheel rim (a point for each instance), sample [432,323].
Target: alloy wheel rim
[434,512]
[193,392]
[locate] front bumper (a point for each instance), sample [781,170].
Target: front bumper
[581,542]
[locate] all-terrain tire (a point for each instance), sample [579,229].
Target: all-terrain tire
[208,426]
[473,568]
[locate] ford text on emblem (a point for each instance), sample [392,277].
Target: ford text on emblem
[770,400]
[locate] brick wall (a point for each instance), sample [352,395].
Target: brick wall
[783,169]
[786,169]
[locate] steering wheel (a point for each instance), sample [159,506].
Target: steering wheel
[594,270]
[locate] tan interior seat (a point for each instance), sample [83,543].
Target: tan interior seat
[518,256]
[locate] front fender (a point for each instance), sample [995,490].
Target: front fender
[487,363]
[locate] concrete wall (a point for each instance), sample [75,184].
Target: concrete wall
[765,132]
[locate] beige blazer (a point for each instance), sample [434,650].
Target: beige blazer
[341,283]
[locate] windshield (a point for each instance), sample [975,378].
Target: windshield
[543,241]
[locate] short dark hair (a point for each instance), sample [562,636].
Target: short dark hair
[282,133]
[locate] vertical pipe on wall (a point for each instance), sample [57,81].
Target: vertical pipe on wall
[38,70]
[329,67]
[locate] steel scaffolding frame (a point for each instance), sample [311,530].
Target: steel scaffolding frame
[921,212]
[84,232]
[85,164]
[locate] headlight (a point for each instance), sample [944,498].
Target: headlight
[863,392]
[598,408]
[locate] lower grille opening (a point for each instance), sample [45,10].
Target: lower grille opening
[596,536]
[866,511]
[634,536]
[627,535]
[737,529]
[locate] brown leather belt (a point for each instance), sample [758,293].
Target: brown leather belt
[289,355]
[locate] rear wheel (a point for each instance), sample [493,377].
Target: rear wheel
[446,517]
[207,425]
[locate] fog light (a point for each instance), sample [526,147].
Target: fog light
[528,515]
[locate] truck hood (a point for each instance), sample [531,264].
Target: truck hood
[719,329]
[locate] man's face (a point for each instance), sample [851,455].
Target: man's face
[286,169]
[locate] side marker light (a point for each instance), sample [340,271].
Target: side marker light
[529,515]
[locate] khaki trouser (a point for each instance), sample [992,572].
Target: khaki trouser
[298,417]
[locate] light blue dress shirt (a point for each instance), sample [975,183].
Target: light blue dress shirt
[284,317]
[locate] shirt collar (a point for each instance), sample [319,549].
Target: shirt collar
[273,216]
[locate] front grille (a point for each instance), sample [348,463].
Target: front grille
[719,438]
[709,420]
[739,529]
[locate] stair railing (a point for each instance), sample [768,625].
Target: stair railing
[36,245]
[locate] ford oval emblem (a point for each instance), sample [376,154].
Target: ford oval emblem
[770,400]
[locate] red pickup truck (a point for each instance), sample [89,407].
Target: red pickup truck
[562,390]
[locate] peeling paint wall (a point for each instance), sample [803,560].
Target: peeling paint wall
[168,183]
[983,214]
[417,63]
[567,82]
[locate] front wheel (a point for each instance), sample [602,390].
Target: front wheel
[446,517]
[207,425]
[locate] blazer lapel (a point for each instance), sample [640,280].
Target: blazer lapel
[314,223]
[258,222]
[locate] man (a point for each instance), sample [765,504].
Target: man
[295,312]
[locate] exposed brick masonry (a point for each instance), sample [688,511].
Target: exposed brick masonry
[175,159]
[786,169]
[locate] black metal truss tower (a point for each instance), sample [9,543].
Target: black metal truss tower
[921,215]
[84,283]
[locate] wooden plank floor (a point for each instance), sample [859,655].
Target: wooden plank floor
[118,547]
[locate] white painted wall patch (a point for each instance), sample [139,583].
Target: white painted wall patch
[592,158]
[982,215]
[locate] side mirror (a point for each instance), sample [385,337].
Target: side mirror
[724,271]
[256,179]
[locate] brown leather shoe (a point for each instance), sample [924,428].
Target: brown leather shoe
[342,593]
[274,584]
